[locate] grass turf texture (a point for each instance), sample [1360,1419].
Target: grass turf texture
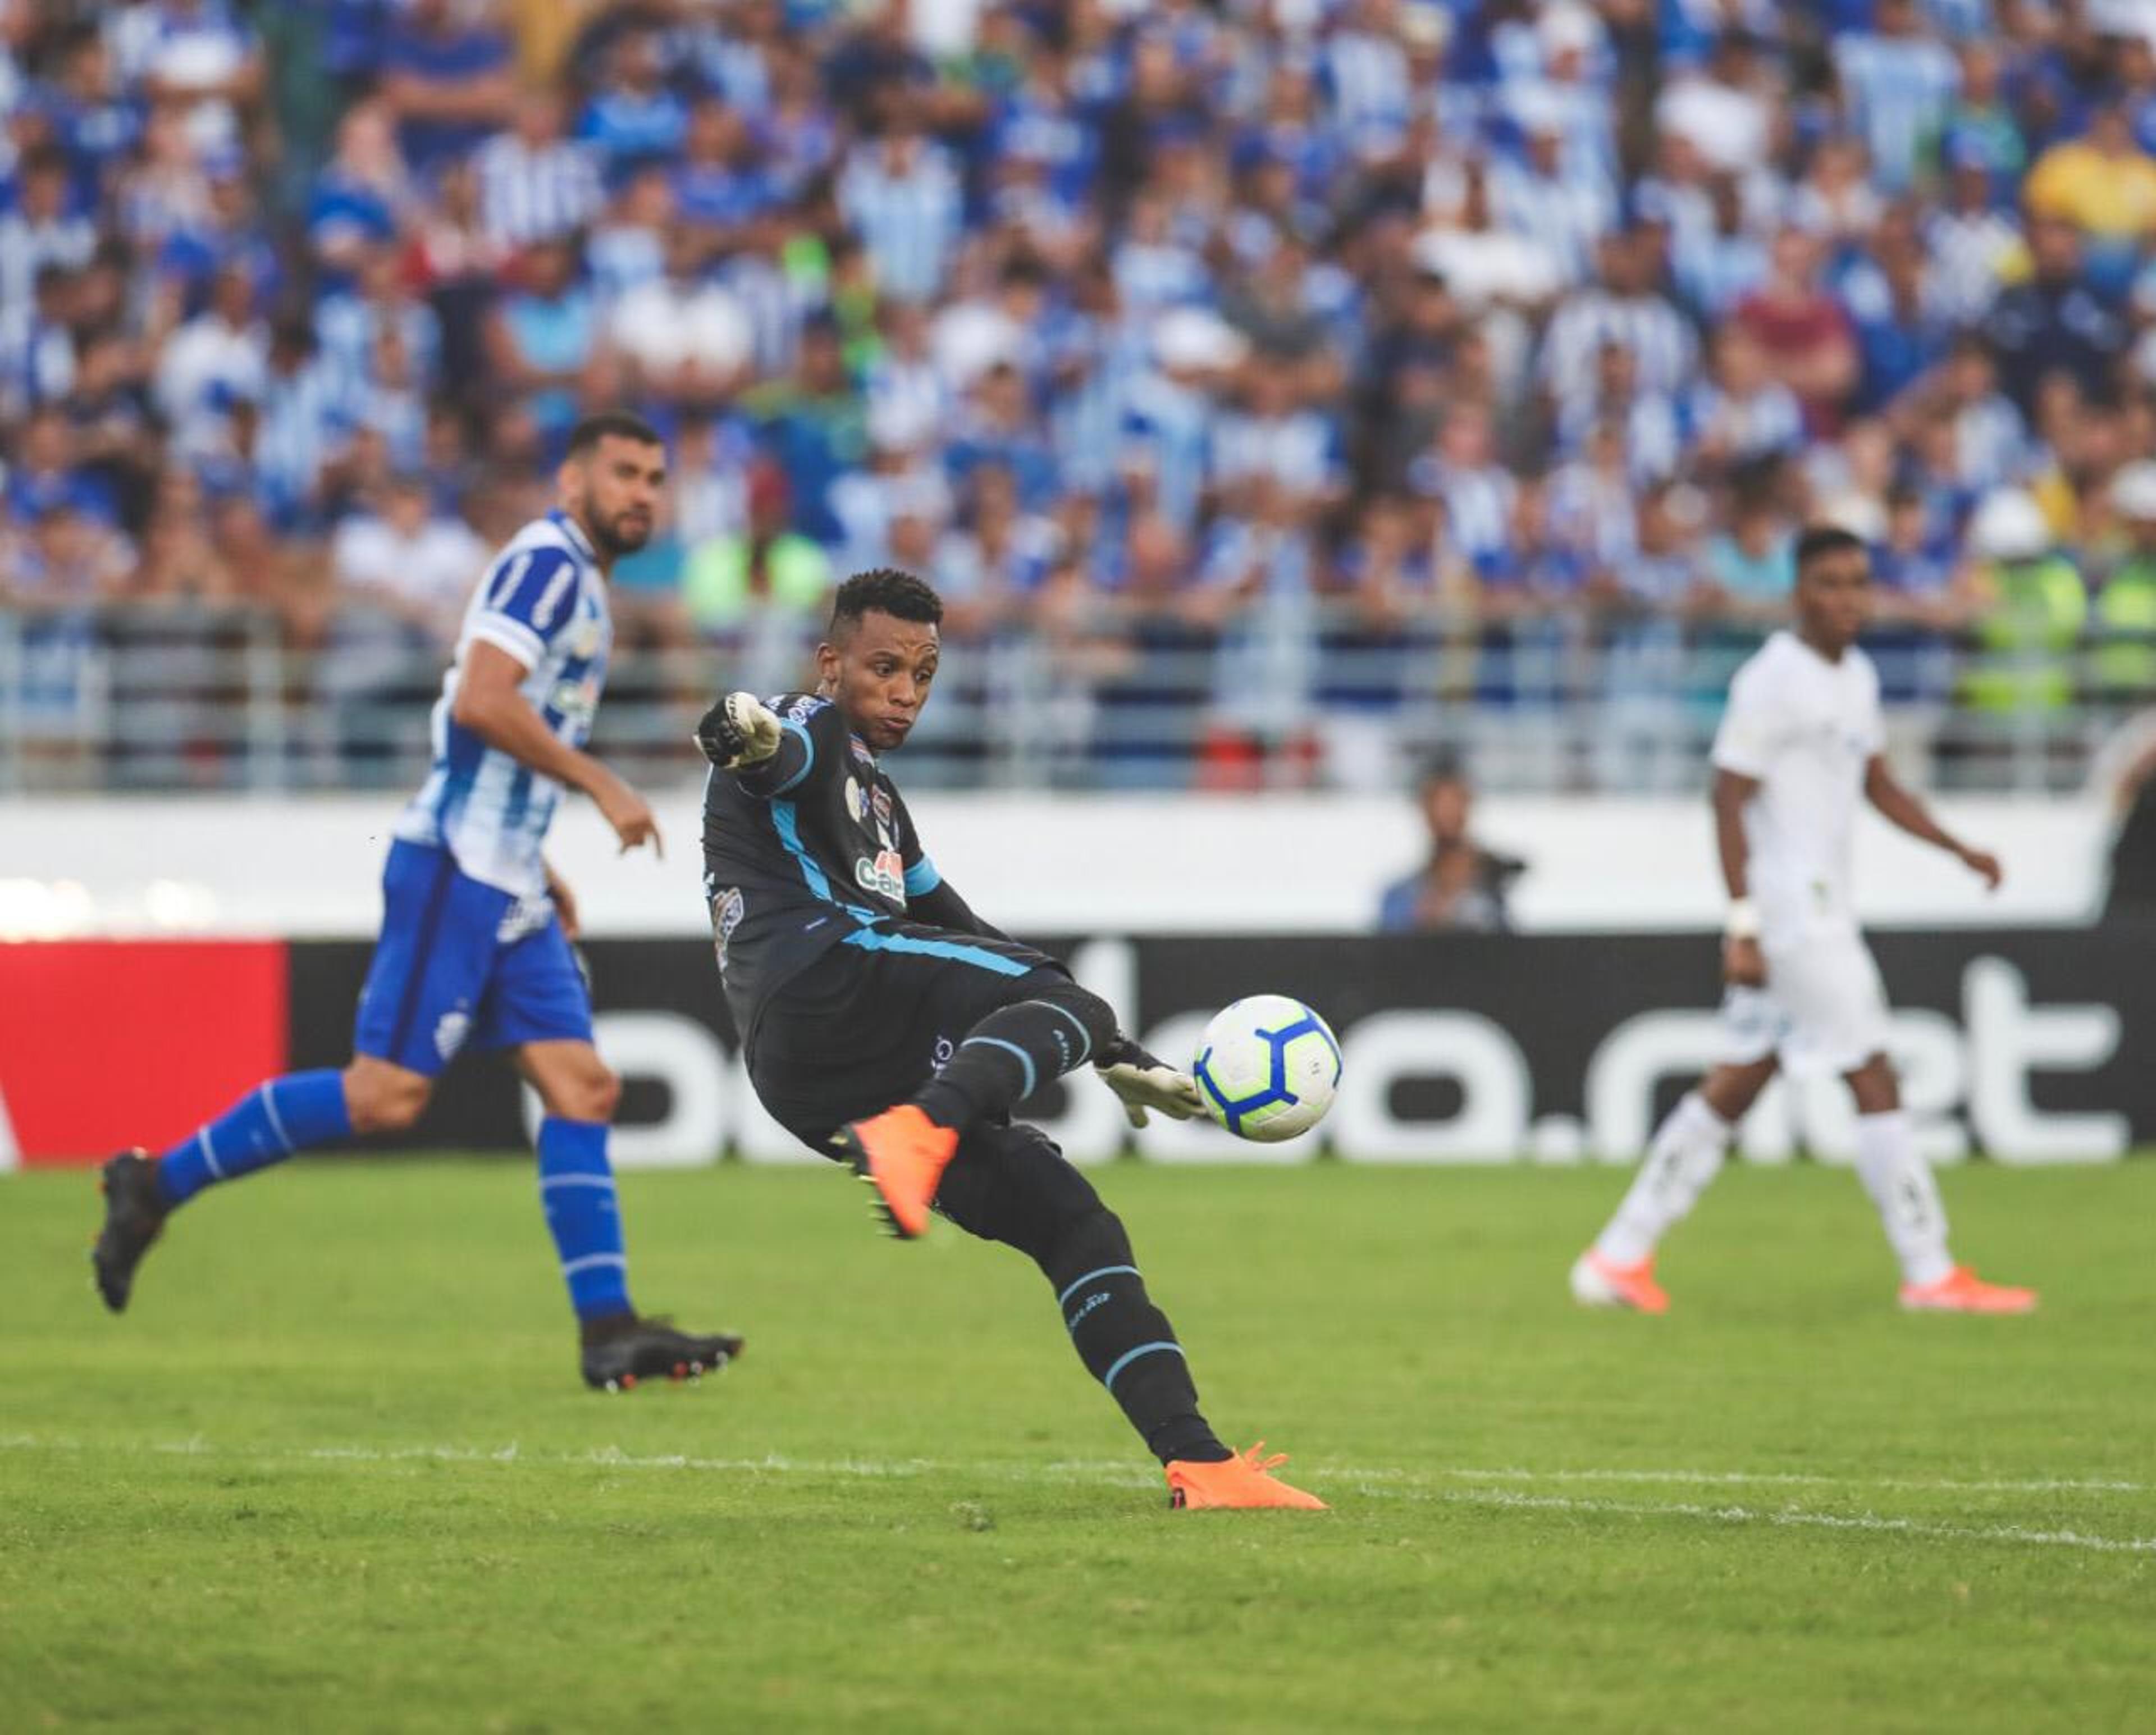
[334,1471]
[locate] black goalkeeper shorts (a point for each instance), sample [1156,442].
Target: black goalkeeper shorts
[872,1020]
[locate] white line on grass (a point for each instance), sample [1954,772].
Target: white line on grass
[1380,1484]
[1804,1520]
[1781,1479]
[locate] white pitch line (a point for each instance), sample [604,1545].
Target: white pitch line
[1794,1479]
[1380,1484]
[1811,1521]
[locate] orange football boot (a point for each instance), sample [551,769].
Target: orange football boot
[1241,1482]
[902,1154]
[1961,1290]
[1600,1282]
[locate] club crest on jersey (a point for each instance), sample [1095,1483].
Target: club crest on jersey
[727,909]
[880,802]
[576,700]
[885,875]
[449,1033]
[584,642]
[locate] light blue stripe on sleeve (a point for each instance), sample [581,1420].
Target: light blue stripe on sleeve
[871,940]
[921,878]
[807,765]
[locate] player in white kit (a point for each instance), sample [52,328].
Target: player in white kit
[1800,745]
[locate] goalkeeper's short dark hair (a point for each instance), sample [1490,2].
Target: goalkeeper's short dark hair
[885,590]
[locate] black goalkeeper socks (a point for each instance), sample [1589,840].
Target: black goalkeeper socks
[1127,1344]
[1007,1056]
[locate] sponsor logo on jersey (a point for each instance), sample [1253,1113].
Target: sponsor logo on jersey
[879,800]
[857,804]
[584,643]
[805,707]
[861,751]
[886,875]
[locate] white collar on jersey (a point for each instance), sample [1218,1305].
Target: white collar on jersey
[575,532]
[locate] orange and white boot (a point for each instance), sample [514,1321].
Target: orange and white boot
[902,1154]
[1243,1483]
[1599,1282]
[1961,1290]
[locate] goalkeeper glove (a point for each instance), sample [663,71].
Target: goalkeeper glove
[1143,1081]
[739,731]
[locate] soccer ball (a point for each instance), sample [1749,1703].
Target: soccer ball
[1267,1068]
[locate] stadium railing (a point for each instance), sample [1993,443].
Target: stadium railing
[129,698]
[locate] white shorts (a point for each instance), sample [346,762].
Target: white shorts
[1823,1010]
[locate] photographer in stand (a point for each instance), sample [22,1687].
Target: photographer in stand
[1461,885]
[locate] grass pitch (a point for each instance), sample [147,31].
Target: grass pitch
[335,1469]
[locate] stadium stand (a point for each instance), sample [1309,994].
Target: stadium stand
[1278,388]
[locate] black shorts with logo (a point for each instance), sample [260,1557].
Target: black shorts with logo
[872,1020]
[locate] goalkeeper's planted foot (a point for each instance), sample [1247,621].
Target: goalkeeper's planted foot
[1242,1482]
[621,1349]
[135,1212]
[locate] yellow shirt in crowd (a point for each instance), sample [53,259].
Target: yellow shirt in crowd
[2109,196]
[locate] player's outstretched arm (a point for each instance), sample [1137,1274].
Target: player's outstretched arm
[767,754]
[1743,964]
[1901,807]
[490,703]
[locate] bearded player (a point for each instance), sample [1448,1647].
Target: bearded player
[1800,744]
[886,1022]
[476,944]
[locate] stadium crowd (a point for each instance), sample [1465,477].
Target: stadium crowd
[1422,342]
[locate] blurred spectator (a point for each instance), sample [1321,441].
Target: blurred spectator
[2054,321]
[2125,658]
[901,194]
[2103,184]
[633,119]
[543,337]
[535,184]
[2030,605]
[412,564]
[759,590]
[360,196]
[684,339]
[1803,331]
[195,55]
[446,77]
[42,229]
[1898,83]
[1462,884]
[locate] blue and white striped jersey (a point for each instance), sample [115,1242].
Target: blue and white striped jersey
[544,601]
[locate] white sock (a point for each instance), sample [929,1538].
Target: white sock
[1685,1155]
[1901,1185]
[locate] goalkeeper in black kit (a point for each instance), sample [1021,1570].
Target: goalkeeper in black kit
[888,1025]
